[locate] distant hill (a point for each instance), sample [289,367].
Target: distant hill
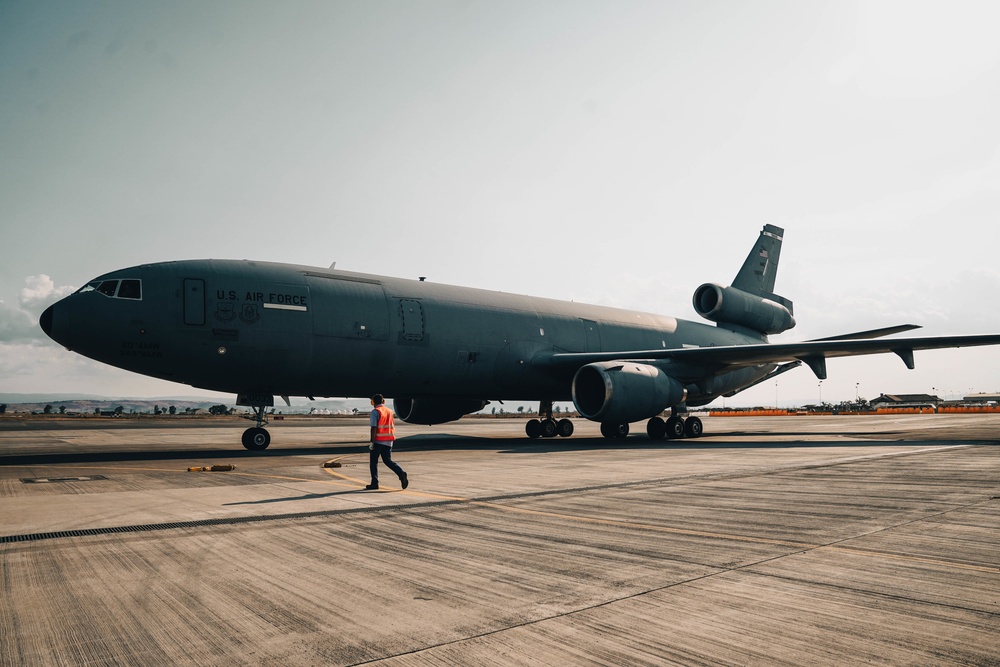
[88,404]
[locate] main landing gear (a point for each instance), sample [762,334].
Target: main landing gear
[257,438]
[673,428]
[547,427]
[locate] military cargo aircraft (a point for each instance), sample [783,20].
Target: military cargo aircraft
[261,330]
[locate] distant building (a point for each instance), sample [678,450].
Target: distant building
[906,401]
[982,398]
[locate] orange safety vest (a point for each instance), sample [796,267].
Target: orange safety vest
[386,429]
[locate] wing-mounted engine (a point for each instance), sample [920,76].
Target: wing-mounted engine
[623,392]
[430,411]
[766,314]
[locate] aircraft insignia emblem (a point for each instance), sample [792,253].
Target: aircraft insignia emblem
[225,312]
[249,314]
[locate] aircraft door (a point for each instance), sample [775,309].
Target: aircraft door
[349,309]
[593,333]
[413,319]
[194,301]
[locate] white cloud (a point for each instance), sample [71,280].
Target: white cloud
[19,322]
[39,292]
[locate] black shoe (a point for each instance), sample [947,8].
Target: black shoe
[371,487]
[405,480]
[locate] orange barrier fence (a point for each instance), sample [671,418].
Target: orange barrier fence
[879,411]
[747,413]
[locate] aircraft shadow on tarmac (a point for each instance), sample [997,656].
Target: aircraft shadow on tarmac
[448,442]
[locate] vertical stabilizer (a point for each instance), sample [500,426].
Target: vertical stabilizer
[750,305]
[761,266]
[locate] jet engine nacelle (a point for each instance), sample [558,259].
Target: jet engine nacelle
[430,411]
[624,392]
[728,305]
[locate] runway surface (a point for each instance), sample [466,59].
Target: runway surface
[770,541]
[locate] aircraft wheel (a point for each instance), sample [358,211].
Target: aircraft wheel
[675,428]
[693,427]
[256,439]
[533,428]
[613,431]
[656,428]
[565,428]
[549,428]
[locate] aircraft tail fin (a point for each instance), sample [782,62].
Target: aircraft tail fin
[757,274]
[749,304]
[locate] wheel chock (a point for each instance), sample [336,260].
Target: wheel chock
[216,468]
[332,464]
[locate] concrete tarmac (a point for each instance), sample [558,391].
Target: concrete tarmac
[770,541]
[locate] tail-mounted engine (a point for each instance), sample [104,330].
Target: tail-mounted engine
[430,411]
[624,392]
[769,314]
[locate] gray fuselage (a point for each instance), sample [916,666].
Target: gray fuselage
[287,330]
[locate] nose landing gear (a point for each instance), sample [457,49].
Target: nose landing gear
[257,438]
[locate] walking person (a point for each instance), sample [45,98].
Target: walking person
[383,434]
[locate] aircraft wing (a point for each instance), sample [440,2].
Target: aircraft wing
[872,333]
[813,353]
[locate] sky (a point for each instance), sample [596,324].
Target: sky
[619,153]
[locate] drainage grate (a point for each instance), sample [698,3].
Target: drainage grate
[51,480]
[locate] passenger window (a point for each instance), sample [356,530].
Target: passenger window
[108,287]
[130,289]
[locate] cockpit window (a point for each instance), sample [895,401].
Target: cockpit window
[130,288]
[108,287]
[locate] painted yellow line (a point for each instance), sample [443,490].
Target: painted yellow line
[411,492]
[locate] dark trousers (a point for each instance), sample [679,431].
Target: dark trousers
[386,453]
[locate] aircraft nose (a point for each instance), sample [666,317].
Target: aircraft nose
[45,321]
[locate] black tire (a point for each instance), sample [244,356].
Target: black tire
[549,429]
[675,428]
[693,427]
[656,428]
[565,428]
[533,428]
[256,439]
[614,431]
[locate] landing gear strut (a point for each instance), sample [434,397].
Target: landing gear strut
[547,427]
[257,438]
